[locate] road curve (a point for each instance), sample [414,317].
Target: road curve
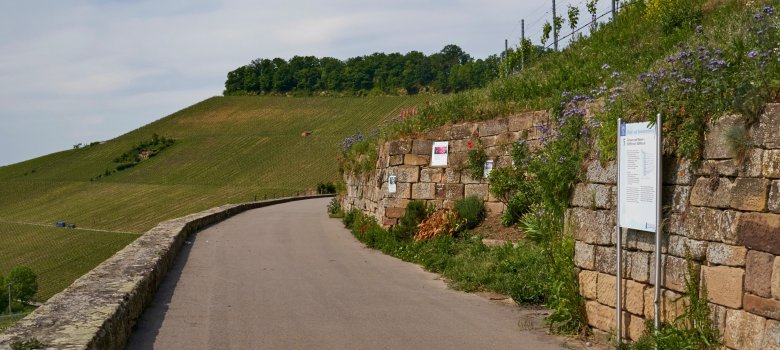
[287,277]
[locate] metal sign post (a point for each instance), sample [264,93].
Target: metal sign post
[639,195]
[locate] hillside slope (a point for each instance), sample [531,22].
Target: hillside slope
[227,150]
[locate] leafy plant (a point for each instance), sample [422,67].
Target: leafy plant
[326,188]
[477,159]
[674,14]
[739,142]
[28,344]
[334,208]
[24,283]
[350,216]
[414,214]
[471,210]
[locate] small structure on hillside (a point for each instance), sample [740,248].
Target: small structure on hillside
[305,133]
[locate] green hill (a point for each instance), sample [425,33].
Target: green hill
[227,150]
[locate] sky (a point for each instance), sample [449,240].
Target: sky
[80,71]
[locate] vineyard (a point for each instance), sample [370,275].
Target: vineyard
[227,150]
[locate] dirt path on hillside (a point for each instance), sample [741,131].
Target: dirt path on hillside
[287,277]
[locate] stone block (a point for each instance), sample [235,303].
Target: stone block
[775,283]
[461,131]
[451,175]
[493,127]
[423,191]
[707,224]
[674,305]
[588,284]
[507,138]
[771,335]
[603,174]
[405,173]
[459,145]
[675,272]
[766,133]
[415,159]
[773,202]
[716,168]
[759,231]
[715,192]
[394,202]
[524,121]
[449,191]
[758,273]
[724,285]
[431,175]
[752,164]
[749,194]
[394,160]
[394,213]
[493,209]
[634,297]
[504,162]
[478,190]
[606,289]
[641,240]
[422,147]
[718,316]
[636,328]
[678,244]
[386,222]
[638,265]
[603,317]
[715,142]
[605,259]
[458,160]
[466,178]
[676,198]
[677,171]
[402,190]
[744,331]
[724,254]
[584,255]
[770,165]
[769,308]
[489,141]
[398,147]
[592,196]
[592,226]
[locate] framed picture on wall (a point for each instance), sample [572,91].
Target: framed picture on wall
[391,183]
[439,153]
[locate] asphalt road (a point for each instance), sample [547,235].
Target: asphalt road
[288,277]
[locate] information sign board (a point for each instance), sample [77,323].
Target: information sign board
[637,190]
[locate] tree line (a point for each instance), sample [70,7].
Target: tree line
[449,70]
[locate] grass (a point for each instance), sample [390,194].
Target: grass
[227,150]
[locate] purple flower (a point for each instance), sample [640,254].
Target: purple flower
[605,66]
[614,75]
[699,28]
[752,54]
[769,10]
[718,52]
[758,16]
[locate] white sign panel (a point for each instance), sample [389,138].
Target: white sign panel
[391,186]
[439,153]
[488,168]
[638,147]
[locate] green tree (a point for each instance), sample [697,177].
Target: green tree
[574,18]
[25,283]
[3,295]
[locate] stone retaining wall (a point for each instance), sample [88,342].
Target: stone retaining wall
[409,160]
[99,309]
[725,211]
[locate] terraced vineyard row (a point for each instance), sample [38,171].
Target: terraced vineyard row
[227,150]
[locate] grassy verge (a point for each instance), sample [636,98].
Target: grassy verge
[467,264]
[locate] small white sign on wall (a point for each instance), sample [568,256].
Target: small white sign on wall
[439,153]
[391,183]
[488,168]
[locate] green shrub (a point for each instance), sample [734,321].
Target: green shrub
[326,188]
[334,208]
[349,218]
[414,214]
[25,283]
[471,210]
[477,159]
[3,295]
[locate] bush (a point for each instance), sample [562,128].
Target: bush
[471,210]
[334,208]
[414,214]
[326,188]
[349,218]
[25,283]
[3,295]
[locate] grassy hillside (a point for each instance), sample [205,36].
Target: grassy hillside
[227,150]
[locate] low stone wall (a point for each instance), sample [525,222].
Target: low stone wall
[725,211]
[409,160]
[99,309]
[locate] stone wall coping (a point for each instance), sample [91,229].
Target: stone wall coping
[99,310]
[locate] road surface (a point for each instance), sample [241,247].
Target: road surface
[288,277]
